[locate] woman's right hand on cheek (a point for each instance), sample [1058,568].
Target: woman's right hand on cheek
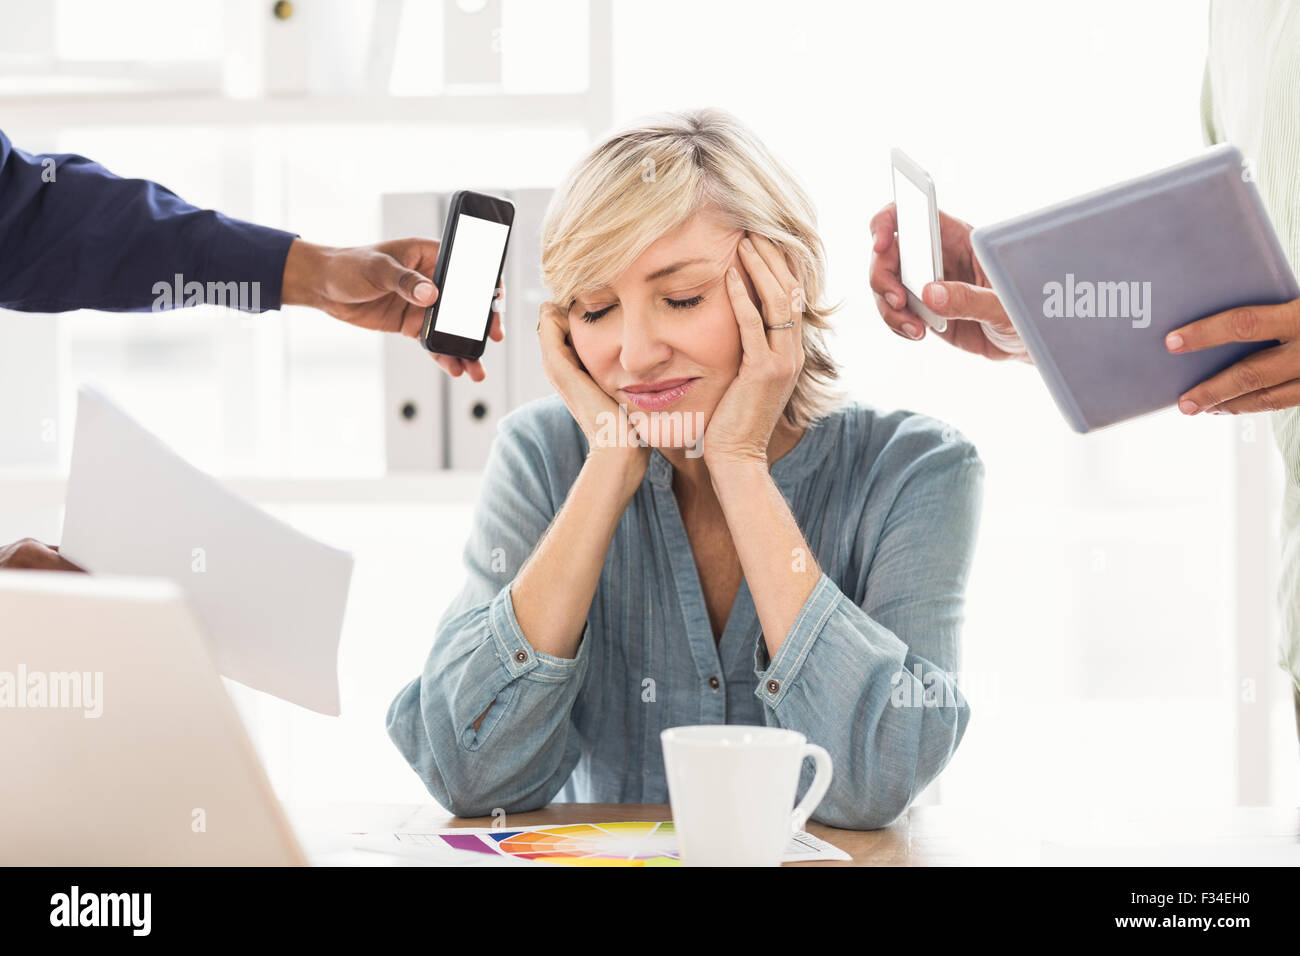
[610,436]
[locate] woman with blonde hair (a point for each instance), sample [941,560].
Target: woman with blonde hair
[697,529]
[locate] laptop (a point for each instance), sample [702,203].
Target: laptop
[119,743]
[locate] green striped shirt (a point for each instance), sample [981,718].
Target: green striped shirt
[1251,98]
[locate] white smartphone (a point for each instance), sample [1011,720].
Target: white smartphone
[920,252]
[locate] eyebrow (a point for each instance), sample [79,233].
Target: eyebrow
[669,270]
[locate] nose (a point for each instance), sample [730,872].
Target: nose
[642,347]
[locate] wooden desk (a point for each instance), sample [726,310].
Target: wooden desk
[942,835]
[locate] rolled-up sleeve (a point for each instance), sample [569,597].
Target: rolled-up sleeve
[869,668]
[525,748]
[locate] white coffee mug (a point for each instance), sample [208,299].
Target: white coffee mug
[732,786]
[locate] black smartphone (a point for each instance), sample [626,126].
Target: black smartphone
[470,261]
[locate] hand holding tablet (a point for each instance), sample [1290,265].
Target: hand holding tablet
[1095,284]
[1264,381]
[1168,289]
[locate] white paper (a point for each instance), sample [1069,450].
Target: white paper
[270,599]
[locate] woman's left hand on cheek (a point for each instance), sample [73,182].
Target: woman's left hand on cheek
[1267,380]
[742,423]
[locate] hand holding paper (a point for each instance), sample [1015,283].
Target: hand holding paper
[270,599]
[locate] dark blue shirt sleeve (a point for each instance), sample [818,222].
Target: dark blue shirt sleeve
[75,236]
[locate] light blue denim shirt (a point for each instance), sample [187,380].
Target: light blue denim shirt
[889,506]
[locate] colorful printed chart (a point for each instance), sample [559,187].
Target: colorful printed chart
[637,843]
[581,844]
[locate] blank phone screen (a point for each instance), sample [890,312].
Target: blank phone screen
[916,253]
[470,284]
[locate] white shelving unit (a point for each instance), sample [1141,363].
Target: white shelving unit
[276,75]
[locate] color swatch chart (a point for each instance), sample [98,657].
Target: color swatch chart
[638,843]
[579,844]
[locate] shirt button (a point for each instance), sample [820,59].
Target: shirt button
[521,656]
[773,686]
[713,682]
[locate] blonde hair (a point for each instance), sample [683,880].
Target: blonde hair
[644,181]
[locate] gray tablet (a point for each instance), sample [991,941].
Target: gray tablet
[1093,284]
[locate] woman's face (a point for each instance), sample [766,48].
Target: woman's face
[662,338]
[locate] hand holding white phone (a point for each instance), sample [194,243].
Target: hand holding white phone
[920,250]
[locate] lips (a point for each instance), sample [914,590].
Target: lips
[658,395]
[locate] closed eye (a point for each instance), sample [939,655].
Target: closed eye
[593,316]
[685,303]
[673,303]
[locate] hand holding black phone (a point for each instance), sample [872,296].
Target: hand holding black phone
[470,262]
